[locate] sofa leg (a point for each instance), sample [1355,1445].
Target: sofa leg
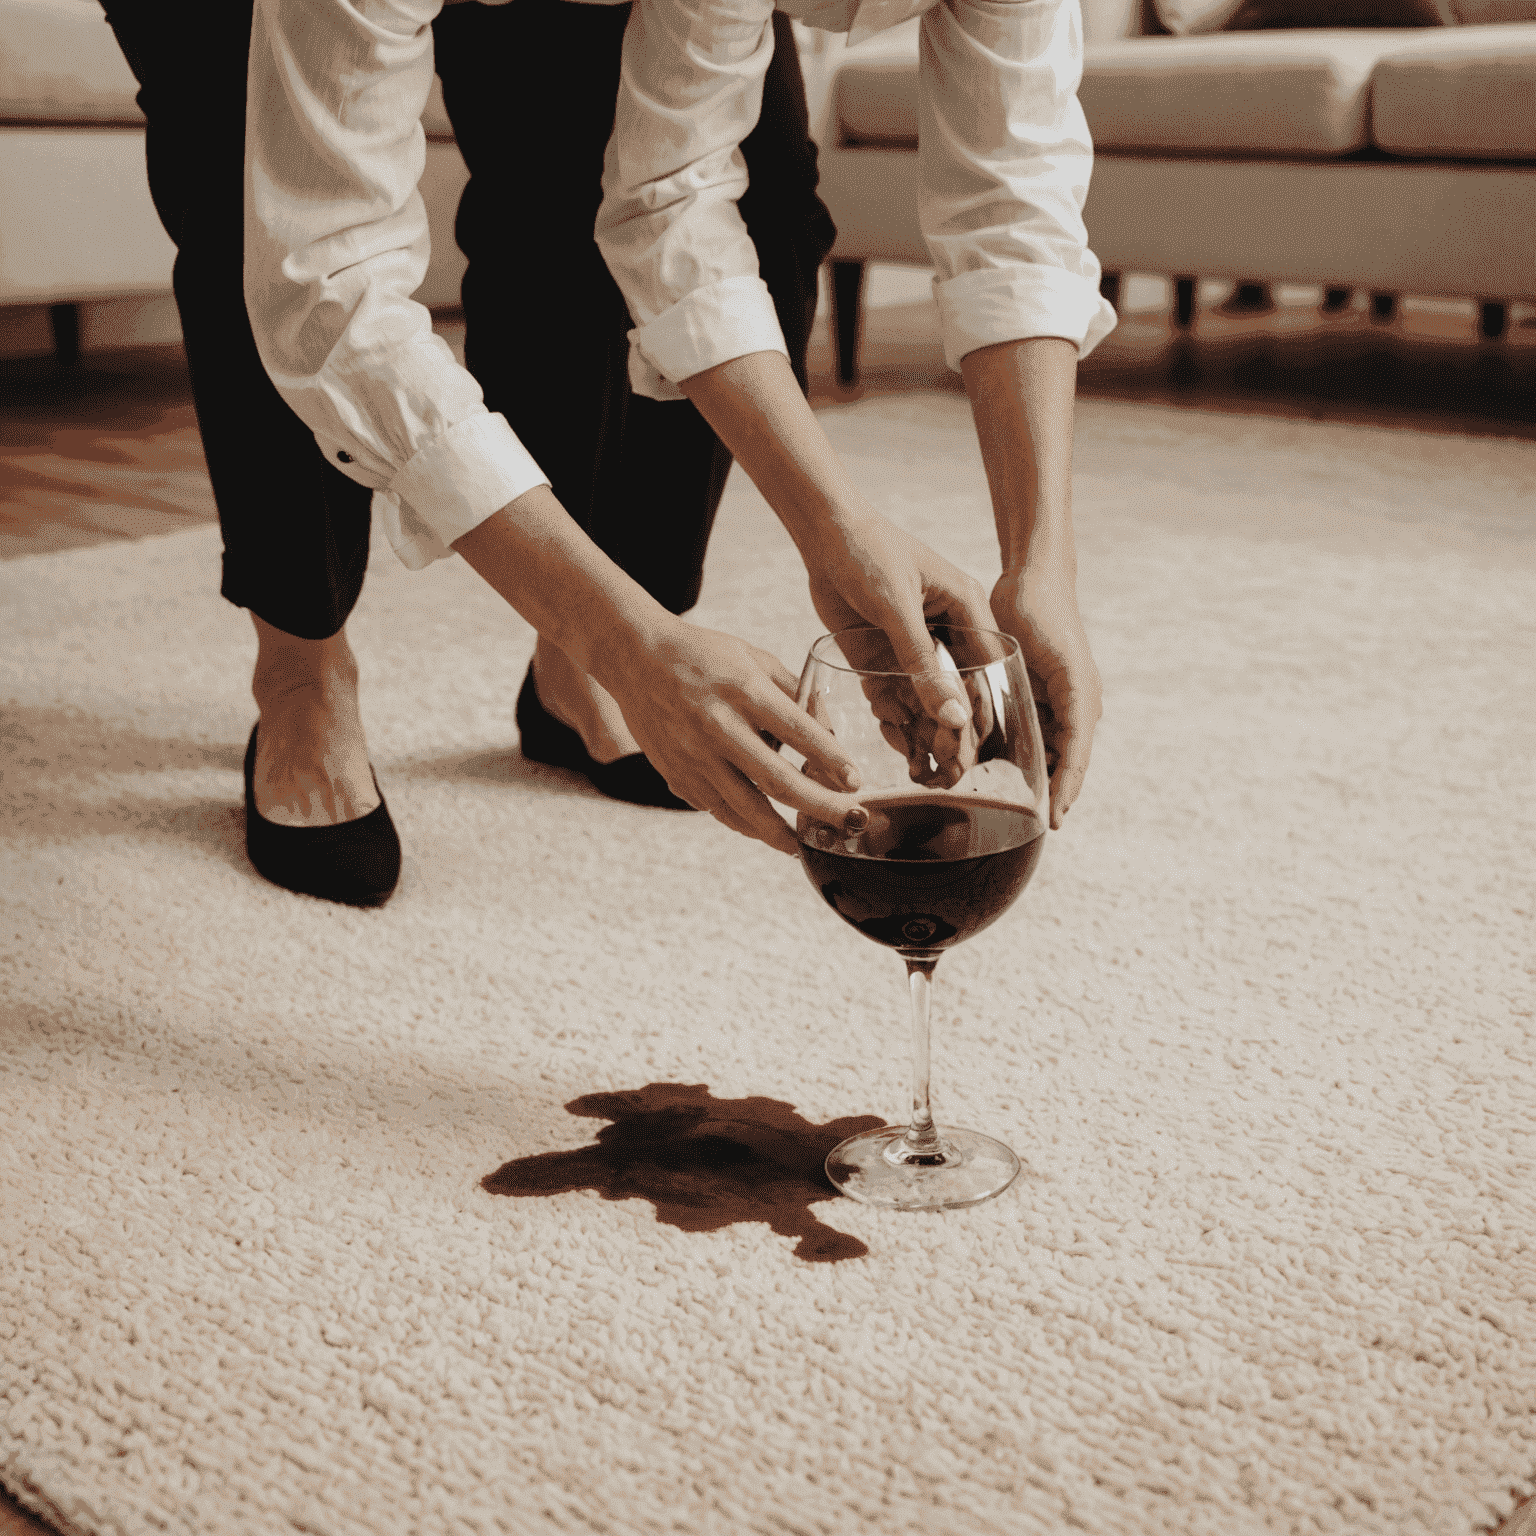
[65,321]
[1109,287]
[1492,319]
[1248,299]
[1383,308]
[847,313]
[1336,300]
[1183,302]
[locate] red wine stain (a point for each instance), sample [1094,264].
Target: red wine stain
[704,1163]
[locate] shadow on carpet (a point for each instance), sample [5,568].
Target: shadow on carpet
[704,1163]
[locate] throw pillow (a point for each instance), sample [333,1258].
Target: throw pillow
[1186,16]
[1471,13]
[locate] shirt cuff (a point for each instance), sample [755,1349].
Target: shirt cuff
[453,485]
[729,319]
[980,309]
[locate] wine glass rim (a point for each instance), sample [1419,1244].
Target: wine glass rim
[1011,649]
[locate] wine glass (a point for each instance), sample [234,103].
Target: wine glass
[949,828]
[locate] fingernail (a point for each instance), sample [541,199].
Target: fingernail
[952,713]
[855,821]
[851,776]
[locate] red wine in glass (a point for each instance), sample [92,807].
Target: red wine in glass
[954,826]
[929,871]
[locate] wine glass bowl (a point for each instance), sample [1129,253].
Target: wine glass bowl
[949,830]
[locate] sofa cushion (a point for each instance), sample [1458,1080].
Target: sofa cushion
[1286,93]
[1292,92]
[434,116]
[876,104]
[60,63]
[1185,16]
[1471,96]
[1472,13]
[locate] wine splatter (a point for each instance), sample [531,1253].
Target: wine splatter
[704,1163]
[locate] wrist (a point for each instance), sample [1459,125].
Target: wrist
[610,648]
[818,527]
[1042,541]
[814,519]
[1042,562]
[613,633]
[562,584]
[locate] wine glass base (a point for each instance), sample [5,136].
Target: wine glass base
[973,1168]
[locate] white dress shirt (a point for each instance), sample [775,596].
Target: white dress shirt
[336,233]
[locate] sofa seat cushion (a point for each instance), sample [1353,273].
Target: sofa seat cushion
[1298,92]
[876,104]
[1471,97]
[60,63]
[434,116]
[1295,92]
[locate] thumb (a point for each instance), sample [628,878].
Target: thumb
[935,677]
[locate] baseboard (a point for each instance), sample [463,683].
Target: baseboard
[106,325]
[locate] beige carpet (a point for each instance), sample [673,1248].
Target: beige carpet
[305,1222]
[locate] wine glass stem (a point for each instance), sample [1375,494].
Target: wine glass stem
[921,1136]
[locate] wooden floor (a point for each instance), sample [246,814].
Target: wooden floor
[109,449]
[106,450]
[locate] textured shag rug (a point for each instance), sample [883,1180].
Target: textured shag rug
[497,1209]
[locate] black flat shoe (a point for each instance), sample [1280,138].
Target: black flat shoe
[548,740]
[355,862]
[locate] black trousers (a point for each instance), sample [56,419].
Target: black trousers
[530,88]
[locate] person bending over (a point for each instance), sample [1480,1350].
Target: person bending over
[335,242]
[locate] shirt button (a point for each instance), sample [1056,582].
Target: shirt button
[344,456]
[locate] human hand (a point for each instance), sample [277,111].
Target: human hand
[865,571]
[699,704]
[1038,607]
[938,755]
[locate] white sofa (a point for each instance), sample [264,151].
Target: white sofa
[77,226]
[1386,159]
[1398,162]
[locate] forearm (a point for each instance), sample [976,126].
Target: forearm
[1021,398]
[758,412]
[336,243]
[669,229]
[1004,164]
[536,557]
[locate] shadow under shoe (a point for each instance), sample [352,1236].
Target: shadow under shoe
[545,739]
[353,862]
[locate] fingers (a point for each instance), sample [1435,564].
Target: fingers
[1076,712]
[778,837]
[968,606]
[934,688]
[764,773]
[745,810]
[727,795]
[793,727]
[733,778]
[782,677]
[939,692]
[1038,607]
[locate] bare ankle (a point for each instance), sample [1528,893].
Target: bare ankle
[288,664]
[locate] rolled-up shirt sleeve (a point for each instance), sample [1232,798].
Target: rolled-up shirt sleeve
[691,87]
[336,242]
[1005,158]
